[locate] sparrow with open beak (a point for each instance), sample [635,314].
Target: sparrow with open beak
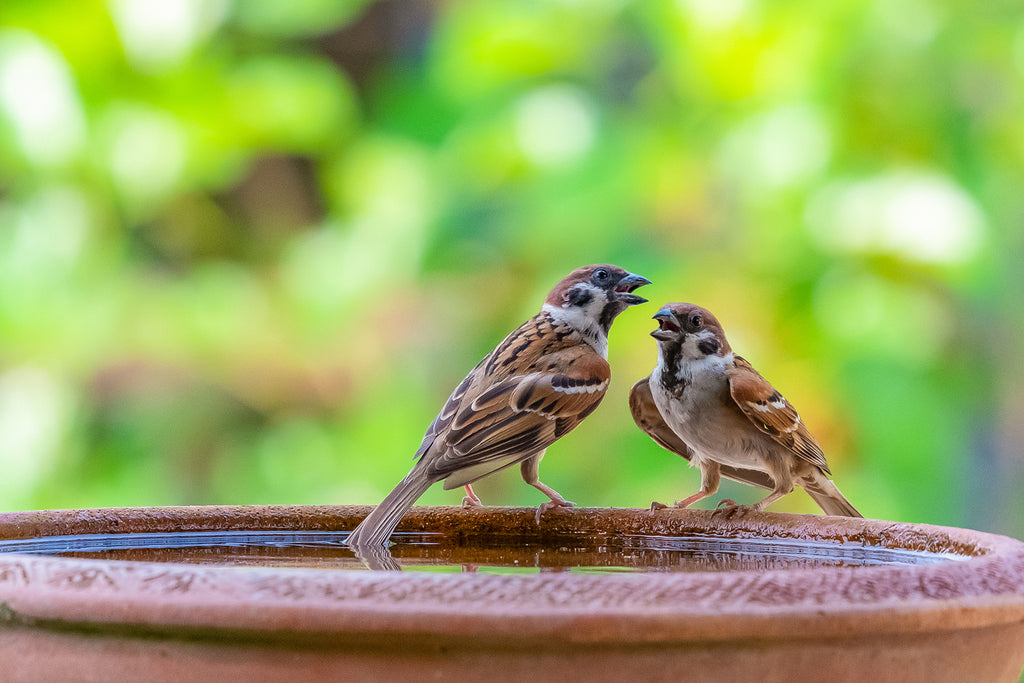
[711,407]
[534,388]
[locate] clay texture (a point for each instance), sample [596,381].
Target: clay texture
[942,621]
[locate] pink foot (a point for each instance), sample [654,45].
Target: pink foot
[471,500]
[541,509]
[730,508]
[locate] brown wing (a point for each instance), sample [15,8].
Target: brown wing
[523,347]
[771,413]
[448,411]
[649,419]
[518,416]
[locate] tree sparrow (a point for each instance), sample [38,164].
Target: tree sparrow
[711,407]
[527,393]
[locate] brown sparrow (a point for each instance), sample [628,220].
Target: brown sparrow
[527,393]
[711,407]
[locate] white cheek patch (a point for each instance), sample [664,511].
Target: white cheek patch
[572,316]
[584,319]
[706,335]
[691,345]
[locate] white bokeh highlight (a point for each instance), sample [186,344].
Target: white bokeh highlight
[159,35]
[555,125]
[34,415]
[39,100]
[918,216]
[777,149]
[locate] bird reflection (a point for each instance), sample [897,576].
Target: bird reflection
[376,558]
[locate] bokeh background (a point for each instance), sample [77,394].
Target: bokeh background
[248,247]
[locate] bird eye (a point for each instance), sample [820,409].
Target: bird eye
[600,274]
[696,320]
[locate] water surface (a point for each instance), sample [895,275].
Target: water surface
[601,553]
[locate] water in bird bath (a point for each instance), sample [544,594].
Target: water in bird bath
[580,553]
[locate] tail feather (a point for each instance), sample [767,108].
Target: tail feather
[827,495]
[381,522]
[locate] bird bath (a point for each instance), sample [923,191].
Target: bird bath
[267,593]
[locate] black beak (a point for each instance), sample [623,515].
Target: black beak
[668,326]
[623,290]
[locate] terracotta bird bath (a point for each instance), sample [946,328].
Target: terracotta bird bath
[271,593]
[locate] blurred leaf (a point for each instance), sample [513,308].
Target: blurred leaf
[247,248]
[287,19]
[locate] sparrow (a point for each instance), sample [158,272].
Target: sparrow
[535,387]
[713,408]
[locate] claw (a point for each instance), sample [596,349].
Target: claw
[541,509]
[470,503]
[471,500]
[655,505]
[730,508]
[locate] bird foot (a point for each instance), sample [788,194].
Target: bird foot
[730,508]
[681,504]
[541,509]
[469,503]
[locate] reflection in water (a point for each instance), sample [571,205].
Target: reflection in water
[376,558]
[600,553]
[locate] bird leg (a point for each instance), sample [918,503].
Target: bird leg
[779,492]
[710,478]
[471,500]
[529,470]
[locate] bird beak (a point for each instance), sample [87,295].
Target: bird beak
[668,326]
[626,285]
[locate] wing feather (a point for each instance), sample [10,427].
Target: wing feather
[771,413]
[493,423]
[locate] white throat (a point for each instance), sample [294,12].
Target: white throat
[581,319]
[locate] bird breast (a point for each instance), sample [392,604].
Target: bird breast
[705,416]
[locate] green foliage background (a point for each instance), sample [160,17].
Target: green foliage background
[248,247]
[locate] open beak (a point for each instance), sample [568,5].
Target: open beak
[623,290]
[668,326]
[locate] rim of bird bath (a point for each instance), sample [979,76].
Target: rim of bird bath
[982,588]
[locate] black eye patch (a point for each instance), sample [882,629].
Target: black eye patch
[708,346]
[578,296]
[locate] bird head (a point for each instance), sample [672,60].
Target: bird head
[691,328]
[595,295]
